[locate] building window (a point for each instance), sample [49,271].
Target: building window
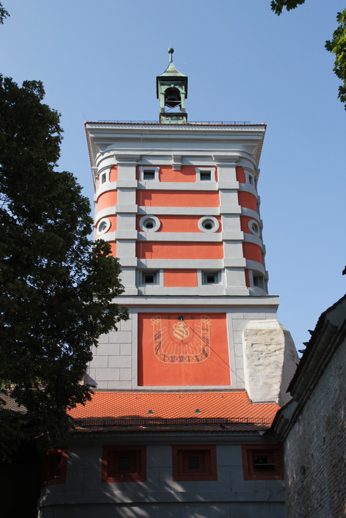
[150,277]
[103,177]
[123,464]
[149,174]
[262,462]
[258,280]
[149,223]
[250,179]
[54,466]
[194,462]
[204,175]
[254,227]
[210,277]
[103,226]
[208,224]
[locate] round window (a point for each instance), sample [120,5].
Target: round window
[103,226]
[208,224]
[150,223]
[254,227]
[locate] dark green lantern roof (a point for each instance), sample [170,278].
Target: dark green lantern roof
[171,90]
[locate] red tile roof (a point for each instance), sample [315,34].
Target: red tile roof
[174,408]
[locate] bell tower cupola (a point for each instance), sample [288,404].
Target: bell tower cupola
[171,90]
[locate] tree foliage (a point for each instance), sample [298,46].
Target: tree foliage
[3,13]
[337,45]
[278,5]
[56,284]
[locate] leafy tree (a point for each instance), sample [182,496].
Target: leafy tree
[278,5]
[3,13]
[57,286]
[337,45]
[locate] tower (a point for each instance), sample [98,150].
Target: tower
[171,90]
[184,387]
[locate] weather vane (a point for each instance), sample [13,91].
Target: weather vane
[170,52]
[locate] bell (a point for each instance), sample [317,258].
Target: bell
[172,97]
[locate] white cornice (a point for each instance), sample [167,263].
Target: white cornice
[227,142]
[199,126]
[219,301]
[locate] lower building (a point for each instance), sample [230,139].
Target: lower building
[312,427]
[206,455]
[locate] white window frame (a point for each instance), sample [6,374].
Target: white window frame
[158,277]
[214,221]
[250,225]
[250,179]
[147,168]
[101,175]
[217,273]
[252,275]
[108,224]
[200,170]
[154,219]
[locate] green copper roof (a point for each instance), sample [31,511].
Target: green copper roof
[171,71]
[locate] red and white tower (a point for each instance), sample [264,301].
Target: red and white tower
[185,385]
[178,203]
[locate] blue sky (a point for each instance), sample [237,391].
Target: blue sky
[98,61]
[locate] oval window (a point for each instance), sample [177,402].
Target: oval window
[150,223]
[103,226]
[208,224]
[254,227]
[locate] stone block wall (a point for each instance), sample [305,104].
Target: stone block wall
[315,449]
[111,366]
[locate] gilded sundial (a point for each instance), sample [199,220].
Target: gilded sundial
[180,340]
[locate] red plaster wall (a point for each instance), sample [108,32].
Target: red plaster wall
[113,176]
[106,199]
[183,353]
[248,200]
[179,223]
[240,174]
[186,174]
[181,278]
[253,252]
[179,250]
[177,198]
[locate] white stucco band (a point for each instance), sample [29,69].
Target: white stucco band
[269,360]
[227,176]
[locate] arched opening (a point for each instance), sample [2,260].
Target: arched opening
[172,97]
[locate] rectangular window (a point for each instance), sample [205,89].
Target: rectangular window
[205,176]
[150,277]
[210,277]
[103,177]
[194,462]
[258,280]
[123,463]
[262,462]
[149,174]
[54,466]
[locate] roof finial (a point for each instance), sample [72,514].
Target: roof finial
[170,52]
